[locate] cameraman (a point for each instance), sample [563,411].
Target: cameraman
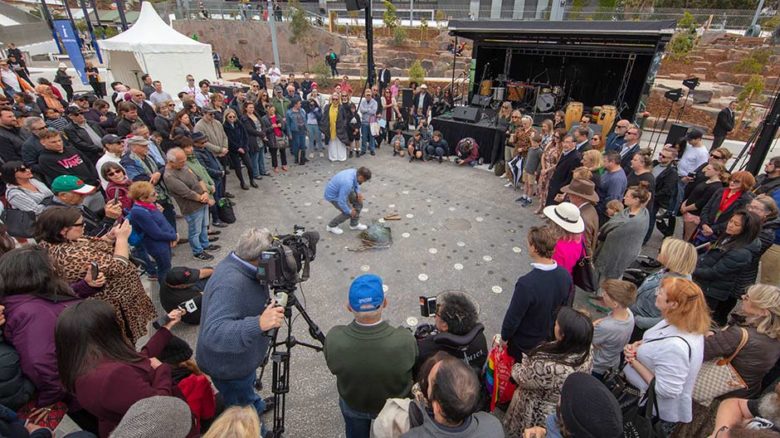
[235,322]
[455,319]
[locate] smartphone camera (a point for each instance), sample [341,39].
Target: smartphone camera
[427,306]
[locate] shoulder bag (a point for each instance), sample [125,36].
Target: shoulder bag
[583,273]
[718,377]
[19,223]
[282,142]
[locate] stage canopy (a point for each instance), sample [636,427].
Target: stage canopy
[593,62]
[151,46]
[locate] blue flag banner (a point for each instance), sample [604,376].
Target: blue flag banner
[70,40]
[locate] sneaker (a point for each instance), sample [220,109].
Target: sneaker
[322,154]
[527,202]
[373,153]
[203,256]
[334,230]
[509,184]
[213,239]
[212,247]
[520,199]
[359,227]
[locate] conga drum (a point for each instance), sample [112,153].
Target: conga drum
[573,114]
[486,88]
[606,120]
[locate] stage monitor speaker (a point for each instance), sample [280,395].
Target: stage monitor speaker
[466,114]
[479,100]
[407,96]
[356,5]
[676,132]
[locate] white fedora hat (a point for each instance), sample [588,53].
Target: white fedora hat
[567,216]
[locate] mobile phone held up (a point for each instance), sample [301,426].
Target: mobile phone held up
[427,306]
[95,270]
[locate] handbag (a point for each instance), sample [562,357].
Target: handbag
[282,142]
[19,223]
[719,377]
[375,128]
[225,211]
[639,421]
[583,273]
[498,373]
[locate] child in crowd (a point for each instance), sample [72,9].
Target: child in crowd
[354,131]
[533,164]
[614,207]
[438,147]
[612,333]
[399,143]
[416,146]
[426,130]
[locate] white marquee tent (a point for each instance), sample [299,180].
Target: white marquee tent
[151,46]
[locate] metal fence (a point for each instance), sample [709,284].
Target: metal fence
[721,18]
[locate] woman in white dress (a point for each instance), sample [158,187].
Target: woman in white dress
[334,127]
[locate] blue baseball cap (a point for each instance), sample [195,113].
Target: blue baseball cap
[366,293]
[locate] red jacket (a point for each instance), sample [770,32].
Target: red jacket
[110,388]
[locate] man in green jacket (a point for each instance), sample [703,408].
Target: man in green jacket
[371,360]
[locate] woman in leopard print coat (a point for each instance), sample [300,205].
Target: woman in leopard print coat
[61,231]
[541,373]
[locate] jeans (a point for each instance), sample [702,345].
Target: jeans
[434,150]
[257,159]
[241,392]
[353,221]
[298,143]
[198,229]
[356,424]
[315,137]
[366,137]
[163,261]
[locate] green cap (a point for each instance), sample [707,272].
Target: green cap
[70,183]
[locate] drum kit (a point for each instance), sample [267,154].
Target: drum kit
[537,97]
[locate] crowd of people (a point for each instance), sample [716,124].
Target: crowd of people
[91,198]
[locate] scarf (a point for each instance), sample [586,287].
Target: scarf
[51,102]
[146,205]
[727,200]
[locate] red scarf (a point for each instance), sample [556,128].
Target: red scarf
[727,199]
[146,205]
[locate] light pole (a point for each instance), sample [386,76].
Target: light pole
[271,21]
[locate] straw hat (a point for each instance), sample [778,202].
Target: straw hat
[567,216]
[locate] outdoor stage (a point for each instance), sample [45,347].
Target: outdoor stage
[542,66]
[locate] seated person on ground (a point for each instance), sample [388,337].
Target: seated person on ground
[438,147]
[467,151]
[416,146]
[184,287]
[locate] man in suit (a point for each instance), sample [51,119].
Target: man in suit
[630,148]
[724,124]
[570,160]
[582,140]
[384,78]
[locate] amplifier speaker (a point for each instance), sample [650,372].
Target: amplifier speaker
[407,96]
[480,100]
[676,132]
[356,5]
[466,114]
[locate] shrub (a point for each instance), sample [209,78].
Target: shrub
[390,16]
[751,92]
[417,72]
[399,36]
[321,72]
[755,62]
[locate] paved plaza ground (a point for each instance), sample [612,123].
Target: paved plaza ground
[460,230]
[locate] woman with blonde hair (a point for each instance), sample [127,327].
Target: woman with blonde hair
[235,422]
[757,321]
[678,259]
[550,156]
[158,234]
[670,353]
[547,132]
[594,161]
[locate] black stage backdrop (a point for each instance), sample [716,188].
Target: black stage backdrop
[486,134]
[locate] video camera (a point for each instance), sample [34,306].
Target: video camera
[287,261]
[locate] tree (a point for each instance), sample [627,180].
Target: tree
[301,31]
[399,36]
[390,16]
[423,28]
[417,72]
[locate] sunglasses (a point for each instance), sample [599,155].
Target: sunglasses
[21,169]
[78,224]
[717,157]
[631,133]
[172,105]
[114,172]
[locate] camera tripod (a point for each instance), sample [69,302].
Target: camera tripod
[280,379]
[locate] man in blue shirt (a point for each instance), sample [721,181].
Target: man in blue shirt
[343,191]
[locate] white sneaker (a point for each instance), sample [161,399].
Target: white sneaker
[334,230]
[359,227]
[509,184]
[322,154]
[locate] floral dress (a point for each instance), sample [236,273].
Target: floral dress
[550,156]
[123,289]
[539,380]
